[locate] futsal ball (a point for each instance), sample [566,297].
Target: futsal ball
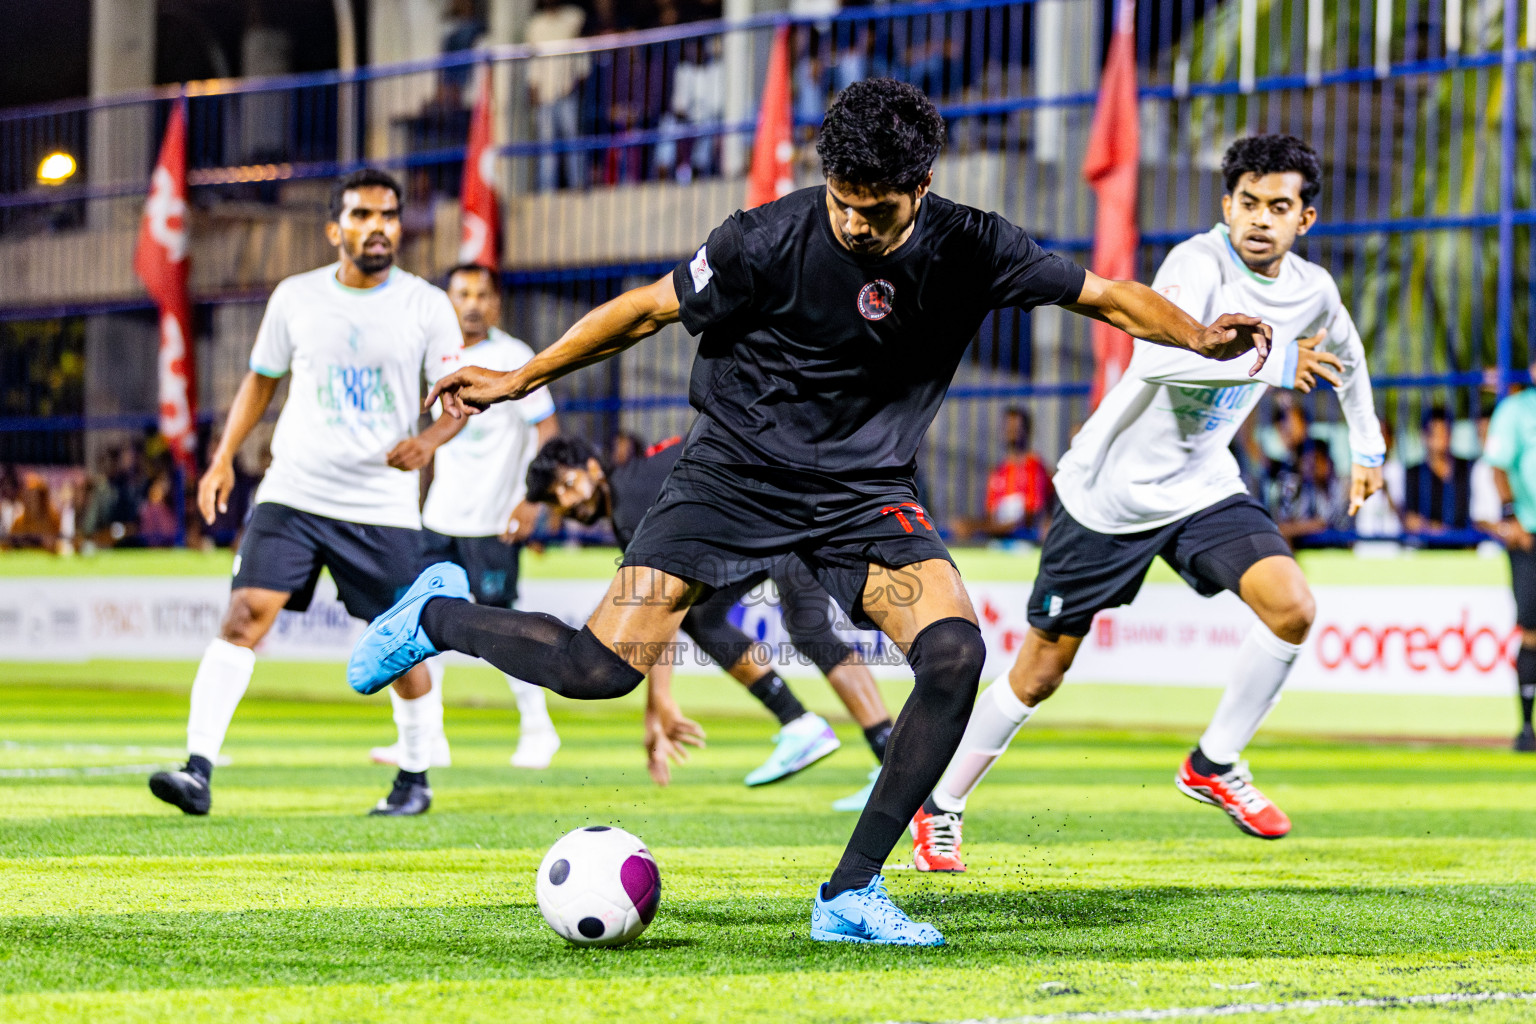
[598,886]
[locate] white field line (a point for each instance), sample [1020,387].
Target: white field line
[1235,1009]
[174,758]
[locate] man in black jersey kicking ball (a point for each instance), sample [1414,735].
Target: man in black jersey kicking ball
[568,475]
[832,323]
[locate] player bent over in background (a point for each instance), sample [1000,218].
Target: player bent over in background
[1150,475]
[342,492]
[569,475]
[475,514]
[833,321]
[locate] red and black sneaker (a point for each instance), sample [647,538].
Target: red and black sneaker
[1234,792]
[936,842]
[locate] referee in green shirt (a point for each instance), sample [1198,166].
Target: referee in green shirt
[1511,451]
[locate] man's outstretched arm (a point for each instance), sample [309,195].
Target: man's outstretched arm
[601,334]
[1143,313]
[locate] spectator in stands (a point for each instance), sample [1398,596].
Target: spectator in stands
[1281,480]
[697,100]
[158,525]
[127,490]
[1380,516]
[10,500]
[1315,511]
[552,88]
[462,28]
[38,524]
[1019,489]
[1438,491]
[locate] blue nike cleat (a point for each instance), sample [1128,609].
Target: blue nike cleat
[394,641]
[868,915]
[798,745]
[856,801]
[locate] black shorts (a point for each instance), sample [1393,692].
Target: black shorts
[490,564]
[1083,572]
[285,549]
[1522,575]
[719,525]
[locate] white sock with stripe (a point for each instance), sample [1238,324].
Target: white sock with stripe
[1263,663]
[995,720]
[221,679]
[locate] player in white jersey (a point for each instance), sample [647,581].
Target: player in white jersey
[1151,474]
[476,515]
[343,492]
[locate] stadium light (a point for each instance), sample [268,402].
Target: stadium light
[57,168]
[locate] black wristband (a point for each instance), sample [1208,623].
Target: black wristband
[1507,510]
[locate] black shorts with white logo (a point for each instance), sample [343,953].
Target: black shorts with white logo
[1083,572]
[719,525]
[285,549]
[1522,575]
[490,564]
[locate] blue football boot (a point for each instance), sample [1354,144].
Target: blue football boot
[856,801]
[868,915]
[799,744]
[394,641]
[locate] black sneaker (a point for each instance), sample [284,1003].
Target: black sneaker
[182,788]
[1525,743]
[405,799]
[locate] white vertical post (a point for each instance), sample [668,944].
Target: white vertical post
[1530,24]
[1315,20]
[739,79]
[1384,38]
[1248,45]
[1453,27]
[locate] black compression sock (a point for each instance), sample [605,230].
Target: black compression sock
[877,736]
[411,778]
[1525,669]
[1204,765]
[946,659]
[532,646]
[199,765]
[777,697]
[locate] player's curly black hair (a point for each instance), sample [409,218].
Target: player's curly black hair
[363,177]
[1273,154]
[881,135]
[558,453]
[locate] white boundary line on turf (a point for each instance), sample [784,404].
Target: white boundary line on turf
[75,771]
[1234,1009]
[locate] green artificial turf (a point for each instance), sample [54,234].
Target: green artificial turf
[1094,885]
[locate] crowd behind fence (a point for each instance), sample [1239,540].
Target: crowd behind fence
[616,153]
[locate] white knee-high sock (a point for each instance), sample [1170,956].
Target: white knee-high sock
[996,718]
[532,712]
[221,679]
[1263,662]
[419,723]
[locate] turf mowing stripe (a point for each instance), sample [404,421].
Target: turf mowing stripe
[1235,1009]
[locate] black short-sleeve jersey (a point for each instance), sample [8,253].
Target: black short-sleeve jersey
[634,487]
[817,360]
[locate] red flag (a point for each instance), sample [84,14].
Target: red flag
[1114,150]
[160,260]
[773,151]
[478,233]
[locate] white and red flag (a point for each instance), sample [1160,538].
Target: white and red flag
[1114,152]
[772,174]
[160,260]
[479,232]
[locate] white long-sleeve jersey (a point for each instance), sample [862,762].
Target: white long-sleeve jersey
[1156,449]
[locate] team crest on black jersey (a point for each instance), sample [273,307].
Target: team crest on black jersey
[875,299]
